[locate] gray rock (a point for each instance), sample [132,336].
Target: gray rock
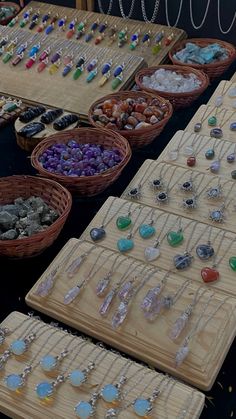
[12,209]
[7,220]
[33,228]
[9,235]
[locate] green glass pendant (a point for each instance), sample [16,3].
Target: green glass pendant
[91,75]
[212,121]
[210,154]
[80,26]
[23,23]
[9,107]
[7,57]
[175,238]
[232,263]
[77,73]
[146,231]
[156,48]
[122,223]
[124,245]
[116,82]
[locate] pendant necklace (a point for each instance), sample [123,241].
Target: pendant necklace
[188,185]
[101,10]
[71,28]
[206,114]
[153,252]
[190,151]
[215,192]
[125,244]
[232,95]
[157,183]
[217,215]
[210,154]
[51,25]
[75,291]
[103,283]
[232,156]
[199,326]
[162,197]
[191,202]
[5,331]
[219,99]
[218,132]
[99,233]
[124,222]
[49,362]
[34,20]
[155,11]
[206,250]
[112,393]
[130,11]
[112,34]
[122,37]
[183,261]
[175,237]
[148,303]
[147,229]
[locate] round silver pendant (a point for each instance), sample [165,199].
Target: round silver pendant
[162,197]
[190,203]
[187,186]
[214,193]
[134,193]
[217,216]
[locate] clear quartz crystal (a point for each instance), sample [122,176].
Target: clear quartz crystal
[105,306]
[151,253]
[120,315]
[150,298]
[126,291]
[72,294]
[180,324]
[170,81]
[173,155]
[218,101]
[46,285]
[188,151]
[74,267]
[181,354]
[102,286]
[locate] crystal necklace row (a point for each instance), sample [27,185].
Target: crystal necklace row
[216,131]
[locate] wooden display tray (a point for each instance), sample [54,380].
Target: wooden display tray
[8,117]
[226,282]
[133,26]
[233,79]
[227,100]
[209,109]
[137,336]
[25,405]
[174,176]
[202,144]
[64,92]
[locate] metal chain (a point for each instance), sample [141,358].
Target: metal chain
[167,14]
[155,11]
[204,17]
[122,10]
[224,32]
[101,8]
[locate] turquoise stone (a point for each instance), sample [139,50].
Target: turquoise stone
[44,390]
[77,378]
[124,245]
[146,231]
[142,407]
[13,382]
[210,154]
[84,410]
[18,347]
[110,393]
[48,362]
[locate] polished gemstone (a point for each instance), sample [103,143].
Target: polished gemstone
[218,101]
[151,253]
[231,158]
[44,390]
[217,216]
[84,410]
[110,393]
[146,231]
[232,263]
[212,121]
[77,378]
[233,174]
[187,186]
[48,362]
[233,126]
[197,127]
[123,223]
[182,261]
[191,161]
[204,251]
[173,155]
[214,193]
[175,238]
[124,245]
[188,151]
[162,197]
[18,347]
[190,203]
[134,193]
[157,183]
[215,166]
[210,154]
[97,234]
[216,133]
[209,275]
[142,407]
[14,382]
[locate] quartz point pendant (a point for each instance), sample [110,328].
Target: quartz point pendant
[104,79]
[72,294]
[91,66]
[42,65]
[74,266]
[30,62]
[116,82]
[150,298]
[181,354]
[173,155]
[180,323]
[18,59]
[105,306]
[78,72]
[102,285]
[126,291]
[46,285]
[120,315]
[91,75]
[54,67]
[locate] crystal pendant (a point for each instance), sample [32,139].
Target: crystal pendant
[105,306]
[150,298]
[191,161]
[175,238]
[232,92]
[156,184]
[14,382]
[182,261]
[78,377]
[91,75]
[118,70]
[48,362]
[214,193]
[111,393]
[106,67]
[116,82]
[216,133]
[188,151]
[209,275]
[217,215]
[123,223]
[84,410]
[120,315]
[142,407]
[54,68]
[46,285]
[134,193]
[126,291]
[232,126]
[231,158]
[42,65]
[125,245]
[19,346]
[97,234]
[102,285]
[91,66]
[190,203]
[210,154]
[72,294]
[156,48]
[78,72]
[205,251]
[30,62]
[232,263]
[219,101]
[162,197]
[67,69]
[233,174]
[104,79]
[49,29]
[180,323]
[181,354]
[173,155]
[44,390]
[99,39]
[7,57]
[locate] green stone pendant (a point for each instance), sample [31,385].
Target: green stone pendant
[9,107]
[212,121]
[146,231]
[232,263]
[175,238]
[124,245]
[122,223]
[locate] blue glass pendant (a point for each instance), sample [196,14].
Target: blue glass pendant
[34,50]
[106,67]
[84,410]
[142,407]
[146,231]
[45,18]
[14,382]
[67,69]
[110,393]
[49,29]
[94,26]
[118,70]
[18,347]
[91,75]
[62,22]
[134,37]
[159,37]
[77,378]
[21,48]
[48,362]
[44,390]
[146,38]
[88,37]
[102,27]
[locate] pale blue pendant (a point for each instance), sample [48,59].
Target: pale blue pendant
[77,378]
[14,382]
[142,407]
[18,347]
[110,393]
[84,410]
[44,390]
[146,231]
[124,245]
[48,362]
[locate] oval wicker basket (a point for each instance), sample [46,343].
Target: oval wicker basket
[143,136]
[214,69]
[85,185]
[178,100]
[10,4]
[55,195]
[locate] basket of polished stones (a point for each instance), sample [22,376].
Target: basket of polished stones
[8,11]
[212,56]
[32,213]
[138,116]
[178,84]
[85,160]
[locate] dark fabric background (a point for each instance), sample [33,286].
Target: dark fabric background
[17,277]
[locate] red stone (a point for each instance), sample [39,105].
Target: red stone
[191,161]
[70,34]
[209,275]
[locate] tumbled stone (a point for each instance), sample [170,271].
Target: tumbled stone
[7,220]
[9,235]
[204,251]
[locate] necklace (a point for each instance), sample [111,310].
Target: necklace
[155,11]
[210,154]
[112,393]
[190,151]
[204,117]
[224,32]
[191,203]
[176,237]
[218,214]
[123,222]
[74,266]
[130,11]
[219,99]
[153,252]
[217,132]
[178,16]
[101,10]
[183,261]
[103,284]
[5,331]
[206,251]
[126,244]
[204,17]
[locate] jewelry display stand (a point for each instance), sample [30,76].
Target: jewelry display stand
[26,405]
[205,110]
[133,26]
[136,336]
[228,102]
[233,79]
[203,143]
[177,175]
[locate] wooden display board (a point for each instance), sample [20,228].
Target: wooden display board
[225,115]
[64,92]
[133,26]
[169,222]
[174,176]
[202,143]
[233,79]
[228,102]
[26,405]
[148,341]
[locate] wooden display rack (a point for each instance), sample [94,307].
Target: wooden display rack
[137,336]
[233,79]
[201,145]
[210,110]
[74,96]
[227,100]
[174,176]
[132,26]
[25,405]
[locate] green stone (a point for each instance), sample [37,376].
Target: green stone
[81,26]
[9,107]
[146,231]
[22,24]
[212,121]
[7,57]
[124,245]
[233,174]
[132,47]
[232,263]
[175,238]
[122,223]
[210,154]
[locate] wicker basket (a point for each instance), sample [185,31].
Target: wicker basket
[143,136]
[85,185]
[27,144]
[55,195]
[10,4]
[178,100]
[214,69]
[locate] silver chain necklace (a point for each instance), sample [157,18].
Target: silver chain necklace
[219,21]
[155,11]
[122,10]
[101,8]
[179,13]
[204,17]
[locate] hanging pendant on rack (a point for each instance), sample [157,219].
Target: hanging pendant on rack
[62,23]
[31,62]
[71,28]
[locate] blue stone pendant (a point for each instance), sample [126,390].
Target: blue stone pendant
[146,231]
[110,393]
[84,410]
[77,378]
[44,390]
[48,363]
[124,245]
[182,261]
[97,234]
[14,382]
[142,407]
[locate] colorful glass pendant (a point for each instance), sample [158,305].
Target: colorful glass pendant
[169,39]
[116,82]
[156,48]
[71,30]
[118,70]
[99,39]
[34,20]
[54,67]
[217,215]
[112,35]
[18,59]
[233,174]
[88,37]
[13,22]
[92,74]
[91,66]
[190,203]
[30,62]
[11,45]
[232,263]
[214,192]
[62,23]
[85,410]
[233,126]
[21,48]
[216,133]
[80,62]
[10,106]
[146,231]
[104,79]
[123,222]
[20,346]
[94,26]
[49,28]
[77,73]
[146,38]
[3,41]
[215,166]
[122,37]
[152,252]
[34,50]
[56,56]
[159,37]
[231,158]
[15,382]
[50,362]
[42,65]
[102,27]
[209,275]
[212,121]
[144,407]
[191,161]
[7,57]
[45,54]
[175,238]
[24,22]
[134,41]
[78,377]
[106,67]
[67,69]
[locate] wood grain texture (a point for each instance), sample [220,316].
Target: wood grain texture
[204,110]
[202,143]
[224,86]
[233,79]
[137,336]
[25,404]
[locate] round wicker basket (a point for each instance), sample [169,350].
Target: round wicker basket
[85,185]
[10,4]
[55,195]
[214,69]
[178,100]
[143,136]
